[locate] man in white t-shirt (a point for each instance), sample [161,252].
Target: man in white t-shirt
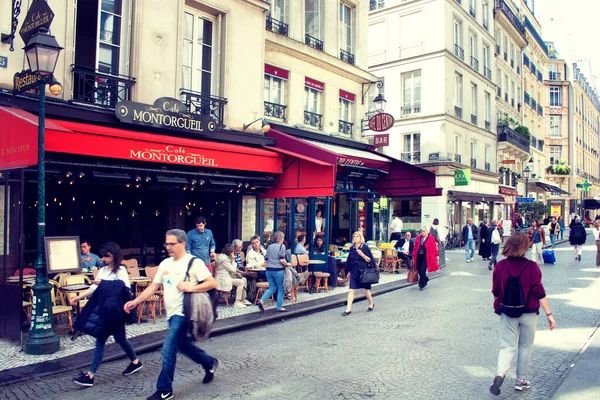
[395,228]
[171,274]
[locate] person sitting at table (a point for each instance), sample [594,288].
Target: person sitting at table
[227,276]
[89,260]
[319,245]
[404,248]
[240,259]
[255,256]
[114,325]
[300,245]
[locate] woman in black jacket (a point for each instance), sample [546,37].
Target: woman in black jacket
[358,259]
[484,244]
[110,318]
[577,237]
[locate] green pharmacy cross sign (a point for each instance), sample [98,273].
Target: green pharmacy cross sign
[585,186]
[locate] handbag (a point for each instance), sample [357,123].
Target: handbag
[413,276]
[370,275]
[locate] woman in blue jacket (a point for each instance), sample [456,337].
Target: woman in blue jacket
[111,255]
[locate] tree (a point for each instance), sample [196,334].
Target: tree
[531,211]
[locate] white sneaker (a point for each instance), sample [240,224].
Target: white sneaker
[239,304]
[468,261]
[247,303]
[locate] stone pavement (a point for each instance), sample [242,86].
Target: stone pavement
[441,343]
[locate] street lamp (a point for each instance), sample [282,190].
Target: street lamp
[527,175]
[42,54]
[379,101]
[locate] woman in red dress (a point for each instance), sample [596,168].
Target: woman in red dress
[425,256]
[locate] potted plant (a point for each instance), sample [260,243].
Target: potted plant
[502,170]
[523,131]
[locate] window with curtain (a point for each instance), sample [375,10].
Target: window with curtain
[273,89]
[346,30]
[199,72]
[458,96]
[555,126]
[311,100]
[312,18]
[345,110]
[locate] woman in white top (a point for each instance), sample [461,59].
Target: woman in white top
[111,256]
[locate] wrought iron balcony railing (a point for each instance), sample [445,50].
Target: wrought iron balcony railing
[313,119]
[376,4]
[499,92]
[98,88]
[277,26]
[344,127]
[347,57]
[411,157]
[554,76]
[533,104]
[474,63]
[275,110]
[473,163]
[459,52]
[487,73]
[500,5]
[411,110]
[313,42]
[458,112]
[506,134]
[539,76]
[197,103]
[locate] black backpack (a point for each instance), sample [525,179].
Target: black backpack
[513,298]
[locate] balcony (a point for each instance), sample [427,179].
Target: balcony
[500,5]
[474,64]
[459,52]
[488,167]
[347,57]
[487,73]
[540,110]
[376,5]
[536,35]
[458,112]
[532,68]
[474,119]
[277,26]
[411,111]
[313,119]
[411,157]
[499,92]
[275,110]
[488,125]
[197,103]
[472,11]
[313,42]
[473,162]
[526,98]
[344,127]
[104,90]
[506,134]
[554,76]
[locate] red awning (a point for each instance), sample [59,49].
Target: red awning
[303,177]
[402,179]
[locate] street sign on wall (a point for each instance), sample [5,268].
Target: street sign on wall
[525,200]
[381,122]
[508,161]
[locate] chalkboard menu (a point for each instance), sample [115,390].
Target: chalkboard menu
[300,217]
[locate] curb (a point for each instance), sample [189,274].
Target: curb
[151,341]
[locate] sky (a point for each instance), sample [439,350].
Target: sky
[571,26]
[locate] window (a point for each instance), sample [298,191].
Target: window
[555,154]
[273,89]
[457,33]
[412,143]
[473,45]
[311,100]
[277,10]
[486,57]
[472,8]
[512,93]
[312,18]
[505,47]
[552,72]
[488,108]
[487,154]
[345,27]
[199,72]
[555,100]
[474,99]
[512,55]
[456,144]
[485,13]
[458,95]
[555,126]
[411,90]
[345,110]
[473,150]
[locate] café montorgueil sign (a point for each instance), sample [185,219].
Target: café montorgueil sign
[166,113]
[38,16]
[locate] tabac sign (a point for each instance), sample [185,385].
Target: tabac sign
[38,16]
[462,177]
[167,113]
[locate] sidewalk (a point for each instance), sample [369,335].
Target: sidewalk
[583,378]
[54,364]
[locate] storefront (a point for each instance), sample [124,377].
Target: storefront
[506,208]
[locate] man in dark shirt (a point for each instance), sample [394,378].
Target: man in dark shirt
[405,247]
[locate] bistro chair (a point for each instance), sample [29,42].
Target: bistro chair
[332,248]
[132,267]
[151,273]
[321,281]
[390,261]
[377,255]
[149,304]
[58,309]
[261,288]
[76,280]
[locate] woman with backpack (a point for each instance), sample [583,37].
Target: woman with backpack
[518,294]
[577,237]
[495,239]
[103,315]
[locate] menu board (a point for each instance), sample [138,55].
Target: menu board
[62,254]
[300,217]
[248,217]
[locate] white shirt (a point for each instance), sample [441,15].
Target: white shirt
[255,259]
[106,274]
[170,273]
[596,233]
[406,246]
[396,225]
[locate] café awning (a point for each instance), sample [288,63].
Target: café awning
[591,204]
[551,188]
[477,197]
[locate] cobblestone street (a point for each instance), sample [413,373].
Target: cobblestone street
[437,344]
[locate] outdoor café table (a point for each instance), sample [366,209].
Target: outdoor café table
[27,279]
[134,280]
[311,270]
[261,273]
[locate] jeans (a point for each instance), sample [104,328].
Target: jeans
[516,334]
[536,252]
[275,279]
[101,342]
[553,239]
[178,340]
[422,269]
[470,249]
[494,248]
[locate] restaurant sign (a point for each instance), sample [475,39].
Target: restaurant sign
[381,122]
[166,112]
[462,177]
[381,140]
[38,16]
[26,80]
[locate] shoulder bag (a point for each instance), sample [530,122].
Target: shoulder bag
[370,275]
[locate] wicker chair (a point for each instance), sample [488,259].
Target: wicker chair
[58,309]
[132,267]
[76,280]
[390,261]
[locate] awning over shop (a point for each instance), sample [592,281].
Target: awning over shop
[18,137]
[302,177]
[471,196]
[591,204]
[551,188]
[399,178]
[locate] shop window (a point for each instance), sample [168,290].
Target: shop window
[267,220]
[249,210]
